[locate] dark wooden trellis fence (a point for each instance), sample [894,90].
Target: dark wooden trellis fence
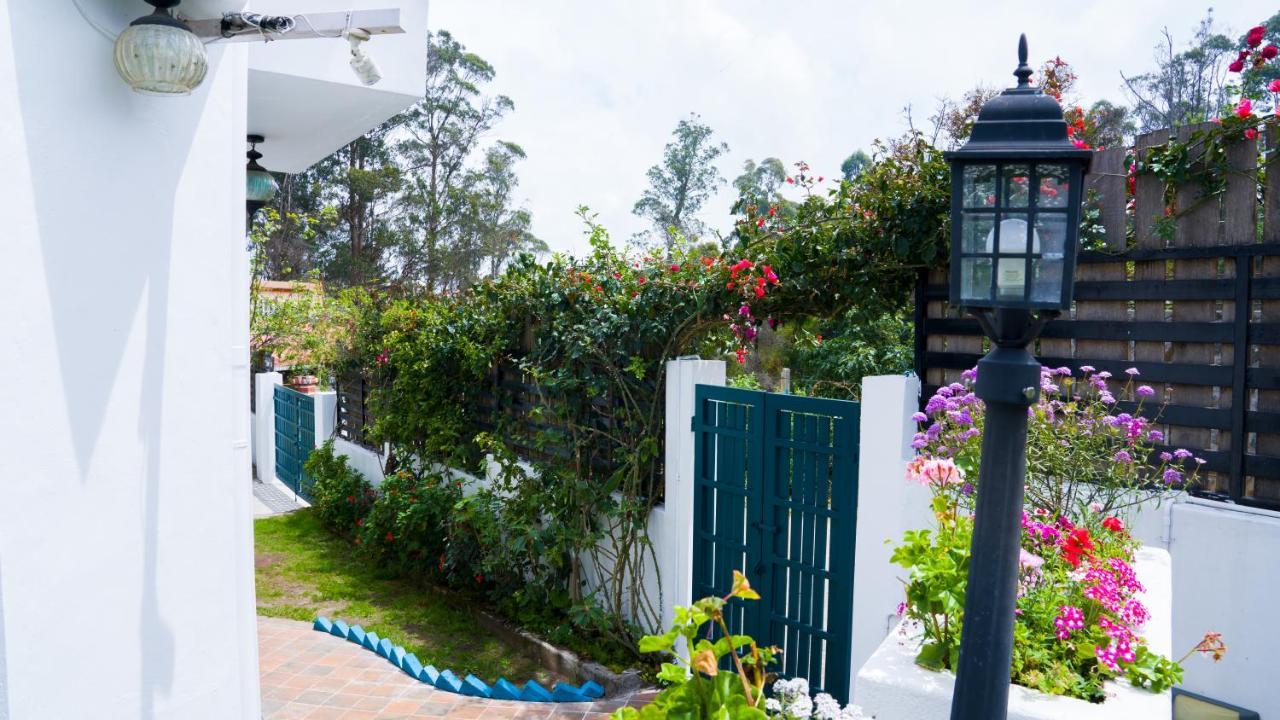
[525,413]
[1198,314]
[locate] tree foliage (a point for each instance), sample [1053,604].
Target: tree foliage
[1188,85]
[682,183]
[418,203]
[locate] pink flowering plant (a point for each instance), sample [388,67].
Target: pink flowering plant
[1080,613]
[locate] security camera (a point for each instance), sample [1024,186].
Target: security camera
[363,65]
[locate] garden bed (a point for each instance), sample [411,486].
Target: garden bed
[891,686]
[303,571]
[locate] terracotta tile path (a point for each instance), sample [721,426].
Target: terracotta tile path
[306,674]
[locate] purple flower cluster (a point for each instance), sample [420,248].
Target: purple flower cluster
[1044,533]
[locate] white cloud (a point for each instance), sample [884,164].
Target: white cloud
[598,85]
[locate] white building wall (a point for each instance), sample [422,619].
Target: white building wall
[126,549]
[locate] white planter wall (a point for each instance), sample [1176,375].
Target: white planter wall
[892,687]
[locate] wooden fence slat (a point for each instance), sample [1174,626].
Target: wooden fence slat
[1108,179]
[1149,206]
[1268,356]
[1197,226]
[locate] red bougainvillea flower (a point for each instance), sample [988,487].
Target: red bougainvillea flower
[390,537]
[760,222]
[759,291]
[1270,51]
[441,563]
[351,499]
[1254,37]
[1114,524]
[1075,545]
[791,180]
[479,578]
[728,286]
[360,522]
[818,339]
[675,268]
[642,280]
[1245,108]
[1251,133]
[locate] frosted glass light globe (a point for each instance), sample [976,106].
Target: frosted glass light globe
[159,55]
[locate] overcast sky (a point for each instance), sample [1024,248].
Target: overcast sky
[598,85]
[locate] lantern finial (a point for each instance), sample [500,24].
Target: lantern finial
[1023,73]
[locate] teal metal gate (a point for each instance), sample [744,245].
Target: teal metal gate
[776,496]
[295,438]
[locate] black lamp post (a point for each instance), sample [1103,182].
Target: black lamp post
[1016,189]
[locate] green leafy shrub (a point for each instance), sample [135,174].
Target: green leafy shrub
[698,683]
[341,496]
[406,528]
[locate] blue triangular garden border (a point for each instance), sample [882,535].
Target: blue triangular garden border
[501,689]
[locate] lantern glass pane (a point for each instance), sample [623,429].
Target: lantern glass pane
[975,279]
[1055,184]
[1051,235]
[1046,280]
[977,234]
[1011,280]
[979,186]
[1013,234]
[1016,186]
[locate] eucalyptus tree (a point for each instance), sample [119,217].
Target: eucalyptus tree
[682,183]
[438,137]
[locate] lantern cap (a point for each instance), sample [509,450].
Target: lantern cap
[1021,122]
[162,15]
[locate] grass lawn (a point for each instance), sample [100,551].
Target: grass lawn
[304,571]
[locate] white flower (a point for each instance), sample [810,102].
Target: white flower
[852,712]
[826,707]
[801,707]
[772,705]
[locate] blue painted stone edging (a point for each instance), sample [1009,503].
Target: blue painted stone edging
[502,688]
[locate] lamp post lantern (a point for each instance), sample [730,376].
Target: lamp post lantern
[1016,190]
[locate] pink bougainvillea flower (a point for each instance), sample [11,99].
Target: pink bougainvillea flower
[759,291]
[1270,52]
[1245,108]
[1236,66]
[1254,37]
[1274,85]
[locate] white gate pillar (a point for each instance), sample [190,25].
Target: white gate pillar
[887,506]
[264,431]
[677,547]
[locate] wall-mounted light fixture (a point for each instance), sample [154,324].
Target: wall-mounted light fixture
[158,54]
[260,185]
